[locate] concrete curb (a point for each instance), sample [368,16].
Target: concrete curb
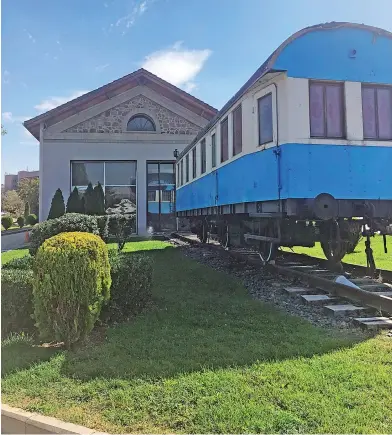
[17,421]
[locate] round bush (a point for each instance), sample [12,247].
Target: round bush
[68,223]
[20,221]
[71,283]
[7,222]
[31,219]
[23,263]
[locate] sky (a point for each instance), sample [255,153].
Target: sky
[53,51]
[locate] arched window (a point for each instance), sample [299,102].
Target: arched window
[140,123]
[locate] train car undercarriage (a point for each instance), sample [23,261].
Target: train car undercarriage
[323,222]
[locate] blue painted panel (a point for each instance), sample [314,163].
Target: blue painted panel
[325,54]
[346,172]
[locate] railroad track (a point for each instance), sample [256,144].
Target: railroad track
[368,302]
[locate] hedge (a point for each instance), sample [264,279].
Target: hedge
[71,283]
[16,300]
[70,222]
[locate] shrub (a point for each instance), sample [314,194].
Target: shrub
[131,285]
[121,227]
[7,222]
[103,227]
[31,219]
[89,200]
[57,207]
[71,283]
[16,300]
[70,222]
[99,200]
[23,263]
[74,203]
[20,221]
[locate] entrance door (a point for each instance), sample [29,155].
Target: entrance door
[161,192]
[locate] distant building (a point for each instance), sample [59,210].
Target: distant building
[11,180]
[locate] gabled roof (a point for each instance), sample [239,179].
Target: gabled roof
[137,78]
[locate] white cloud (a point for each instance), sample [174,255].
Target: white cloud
[100,68]
[129,20]
[9,117]
[177,65]
[52,102]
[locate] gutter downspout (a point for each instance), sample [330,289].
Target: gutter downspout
[41,159]
[277,151]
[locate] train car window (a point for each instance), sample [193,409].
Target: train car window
[194,162]
[203,156]
[237,130]
[224,140]
[213,151]
[265,119]
[326,107]
[187,168]
[377,112]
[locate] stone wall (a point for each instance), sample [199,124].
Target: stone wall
[112,120]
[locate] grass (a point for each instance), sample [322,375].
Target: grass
[383,261]
[207,359]
[15,253]
[14,227]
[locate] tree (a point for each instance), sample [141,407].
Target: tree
[99,200]
[89,199]
[26,210]
[57,208]
[3,130]
[74,203]
[28,189]
[12,203]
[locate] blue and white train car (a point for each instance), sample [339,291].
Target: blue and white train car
[302,150]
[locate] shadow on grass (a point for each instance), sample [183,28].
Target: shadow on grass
[202,319]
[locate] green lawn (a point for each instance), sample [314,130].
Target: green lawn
[383,261]
[207,358]
[10,255]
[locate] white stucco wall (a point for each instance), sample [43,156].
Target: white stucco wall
[57,155]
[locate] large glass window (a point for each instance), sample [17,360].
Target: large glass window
[326,106]
[203,156]
[237,130]
[118,179]
[224,140]
[377,112]
[213,151]
[265,119]
[160,196]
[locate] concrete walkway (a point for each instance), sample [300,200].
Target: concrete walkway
[13,240]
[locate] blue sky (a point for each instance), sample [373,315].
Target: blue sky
[52,50]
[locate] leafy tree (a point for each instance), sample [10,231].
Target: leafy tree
[74,203]
[57,208]
[99,200]
[26,210]
[12,203]
[89,200]
[3,130]
[28,189]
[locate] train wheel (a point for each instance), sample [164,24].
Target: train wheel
[268,250]
[332,243]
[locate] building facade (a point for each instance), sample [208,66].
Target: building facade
[11,181]
[125,136]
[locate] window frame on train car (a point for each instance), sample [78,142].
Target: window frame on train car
[226,122]
[342,102]
[194,162]
[237,110]
[178,173]
[270,138]
[182,172]
[375,88]
[187,168]
[203,156]
[213,150]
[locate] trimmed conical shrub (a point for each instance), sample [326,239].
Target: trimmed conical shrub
[74,203]
[99,200]
[57,208]
[89,200]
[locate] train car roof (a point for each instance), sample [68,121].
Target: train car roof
[268,68]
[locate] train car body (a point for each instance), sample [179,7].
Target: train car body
[303,148]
